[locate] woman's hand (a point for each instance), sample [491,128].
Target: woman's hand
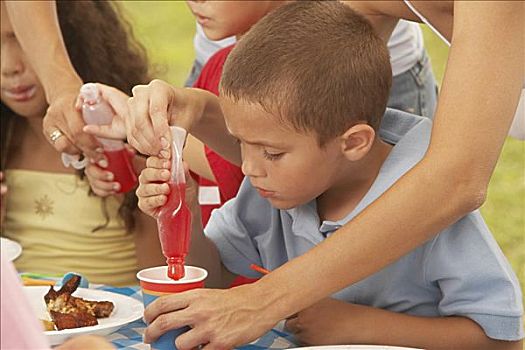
[220,318]
[119,102]
[156,106]
[63,123]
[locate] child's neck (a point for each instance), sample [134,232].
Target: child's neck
[338,201]
[32,151]
[34,129]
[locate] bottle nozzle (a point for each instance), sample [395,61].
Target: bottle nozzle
[90,93]
[175,268]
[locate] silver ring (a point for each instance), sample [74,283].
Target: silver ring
[55,135]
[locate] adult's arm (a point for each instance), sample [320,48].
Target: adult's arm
[37,29]
[479,96]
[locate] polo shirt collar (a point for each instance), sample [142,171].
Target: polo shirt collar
[410,134]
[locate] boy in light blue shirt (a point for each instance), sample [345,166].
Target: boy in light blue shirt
[304,92]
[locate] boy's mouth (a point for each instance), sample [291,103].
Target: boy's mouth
[265,193]
[20,93]
[202,20]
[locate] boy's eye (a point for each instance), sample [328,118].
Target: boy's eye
[272,156]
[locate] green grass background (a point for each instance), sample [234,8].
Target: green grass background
[166,29]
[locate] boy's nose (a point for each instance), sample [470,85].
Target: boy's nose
[250,168]
[11,67]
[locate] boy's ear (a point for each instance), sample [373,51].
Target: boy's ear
[357,141]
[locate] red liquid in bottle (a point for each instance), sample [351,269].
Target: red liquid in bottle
[97,111]
[119,163]
[174,223]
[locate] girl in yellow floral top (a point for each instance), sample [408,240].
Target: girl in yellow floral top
[49,209]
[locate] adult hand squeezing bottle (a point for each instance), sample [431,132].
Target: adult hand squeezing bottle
[95,110]
[174,220]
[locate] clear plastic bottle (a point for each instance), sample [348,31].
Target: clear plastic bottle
[174,220]
[96,110]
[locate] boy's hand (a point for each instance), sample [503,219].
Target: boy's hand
[153,190]
[156,106]
[329,321]
[119,102]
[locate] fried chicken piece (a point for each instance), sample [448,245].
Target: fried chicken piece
[99,309]
[68,288]
[72,319]
[68,311]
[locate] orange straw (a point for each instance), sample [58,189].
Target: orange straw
[259,269]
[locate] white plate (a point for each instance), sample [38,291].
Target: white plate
[356,347]
[126,310]
[10,249]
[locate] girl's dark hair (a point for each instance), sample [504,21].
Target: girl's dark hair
[102,49]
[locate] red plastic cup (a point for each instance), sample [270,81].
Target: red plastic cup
[155,283]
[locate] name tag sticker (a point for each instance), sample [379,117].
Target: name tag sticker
[209,195]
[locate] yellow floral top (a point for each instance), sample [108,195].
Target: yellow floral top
[52,217]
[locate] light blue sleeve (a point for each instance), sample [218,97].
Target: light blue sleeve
[476,279]
[232,229]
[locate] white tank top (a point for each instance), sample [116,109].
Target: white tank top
[517,129]
[405,46]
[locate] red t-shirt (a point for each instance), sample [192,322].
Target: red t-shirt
[228,176]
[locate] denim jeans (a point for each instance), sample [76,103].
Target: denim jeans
[415,91]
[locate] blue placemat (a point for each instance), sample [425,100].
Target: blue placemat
[130,336]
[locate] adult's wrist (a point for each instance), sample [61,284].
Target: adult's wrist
[271,299]
[66,84]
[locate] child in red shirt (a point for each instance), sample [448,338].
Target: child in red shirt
[228,177]
[219,20]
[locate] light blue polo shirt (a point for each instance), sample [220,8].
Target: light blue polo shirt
[461,271]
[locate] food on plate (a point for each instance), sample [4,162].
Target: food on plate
[69,312]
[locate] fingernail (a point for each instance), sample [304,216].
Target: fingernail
[116,186]
[109,176]
[164,154]
[99,150]
[103,163]
[164,142]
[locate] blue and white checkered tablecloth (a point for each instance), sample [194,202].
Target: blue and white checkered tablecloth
[129,337]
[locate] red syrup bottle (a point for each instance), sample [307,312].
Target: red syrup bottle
[174,220]
[96,110]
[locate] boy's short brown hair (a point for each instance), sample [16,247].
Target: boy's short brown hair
[318,66]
